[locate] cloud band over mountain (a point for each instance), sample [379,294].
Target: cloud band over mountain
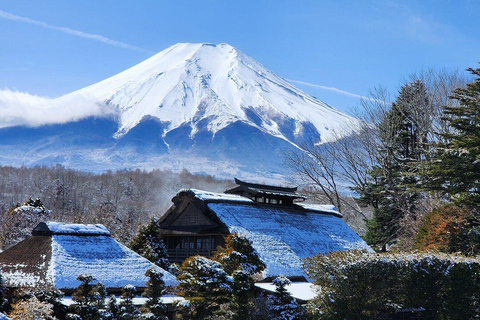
[23,109]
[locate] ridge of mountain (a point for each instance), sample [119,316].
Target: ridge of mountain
[209,87]
[208,108]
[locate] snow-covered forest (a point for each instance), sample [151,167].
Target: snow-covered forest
[121,200]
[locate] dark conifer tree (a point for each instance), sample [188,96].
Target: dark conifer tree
[282,305]
[392,189]
[149,244]
[113,308]
[241,261]
[455,170]
[154,308]
[127,310]
[89,299]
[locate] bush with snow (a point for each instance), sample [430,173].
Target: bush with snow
[206,285]
[21,219]
[360,285]
[32,309]
[239,254]
[89,299]
[127,310]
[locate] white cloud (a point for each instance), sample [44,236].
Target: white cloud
[92,36]
[21,108]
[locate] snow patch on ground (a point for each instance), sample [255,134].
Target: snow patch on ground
[299,290]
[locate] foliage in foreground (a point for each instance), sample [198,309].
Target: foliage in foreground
[282,305]
[360,285]
[36,304]
[449,229]
[242,262]
[90,300]
[149,244]
[205,285]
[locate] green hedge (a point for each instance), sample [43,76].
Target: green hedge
[360,285]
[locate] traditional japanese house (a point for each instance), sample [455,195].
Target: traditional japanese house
[282,229]
[57,253]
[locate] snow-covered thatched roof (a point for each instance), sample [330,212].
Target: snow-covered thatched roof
[283,235]
[57,253]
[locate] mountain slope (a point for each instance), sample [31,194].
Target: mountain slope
[209,87]
[208,108]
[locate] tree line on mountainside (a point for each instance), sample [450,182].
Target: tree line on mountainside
[414,160]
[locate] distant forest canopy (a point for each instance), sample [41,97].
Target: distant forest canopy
[121,200]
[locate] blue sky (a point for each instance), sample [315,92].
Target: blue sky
[53,47]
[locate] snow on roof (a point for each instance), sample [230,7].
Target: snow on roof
[108,261]
[215,196]
[3,317]
[51,227]
[328,208]
[299,290]
[283,236]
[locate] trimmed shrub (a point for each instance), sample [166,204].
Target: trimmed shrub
[360,285]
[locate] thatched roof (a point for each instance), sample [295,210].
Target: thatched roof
[282,235]
[56,254]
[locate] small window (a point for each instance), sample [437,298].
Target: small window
[260,199]
[273,201]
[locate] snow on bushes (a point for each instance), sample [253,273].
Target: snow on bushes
[206,285]
[362,285]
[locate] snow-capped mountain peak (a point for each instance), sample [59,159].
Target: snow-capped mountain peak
[207,108]
[208,87]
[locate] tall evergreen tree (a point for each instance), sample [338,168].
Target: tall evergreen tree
[391,190]
[455,170]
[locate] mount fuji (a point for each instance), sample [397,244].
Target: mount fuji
[207,108]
